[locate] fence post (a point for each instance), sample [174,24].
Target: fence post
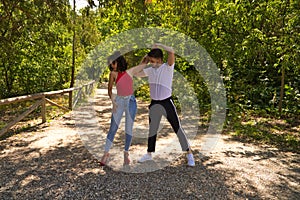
[43,111]
[90,88]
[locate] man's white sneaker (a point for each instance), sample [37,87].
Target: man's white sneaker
[191,161]
[145,157]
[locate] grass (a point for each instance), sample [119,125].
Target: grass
[281,133]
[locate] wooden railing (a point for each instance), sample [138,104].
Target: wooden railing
[42,100]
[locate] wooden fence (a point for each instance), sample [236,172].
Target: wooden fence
[42,99]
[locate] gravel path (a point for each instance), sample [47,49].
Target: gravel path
[56,161]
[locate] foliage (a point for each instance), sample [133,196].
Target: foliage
[265,129]
[34,46]
[255,44]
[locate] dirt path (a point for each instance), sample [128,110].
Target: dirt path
[59,161]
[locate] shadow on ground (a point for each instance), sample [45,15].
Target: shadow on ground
[70,172]
[55,164]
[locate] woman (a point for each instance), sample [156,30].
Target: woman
[124,101]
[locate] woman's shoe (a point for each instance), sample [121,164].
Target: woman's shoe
[126,158]
[104,159]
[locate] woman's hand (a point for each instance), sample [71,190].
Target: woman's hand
[145,59]
[115,107]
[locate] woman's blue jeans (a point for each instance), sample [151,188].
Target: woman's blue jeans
[128,105]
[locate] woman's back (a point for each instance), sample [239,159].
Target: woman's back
[124,84]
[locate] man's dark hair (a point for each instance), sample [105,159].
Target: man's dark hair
[121,64]
[156,53]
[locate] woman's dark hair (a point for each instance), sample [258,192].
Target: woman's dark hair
[156,53]
[121,62]
[110,60]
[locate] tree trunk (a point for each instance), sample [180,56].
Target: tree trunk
[281,90]
[73,57]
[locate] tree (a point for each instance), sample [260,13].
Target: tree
[33,46]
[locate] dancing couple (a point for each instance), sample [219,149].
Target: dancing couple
[160,76]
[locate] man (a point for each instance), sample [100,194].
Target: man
[160,76]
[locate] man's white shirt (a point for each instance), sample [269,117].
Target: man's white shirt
[160,81]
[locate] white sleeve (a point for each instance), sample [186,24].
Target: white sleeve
[172,66]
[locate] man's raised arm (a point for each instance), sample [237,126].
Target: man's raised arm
[170,50]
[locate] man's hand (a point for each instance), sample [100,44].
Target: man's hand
[159,45]
[171,53]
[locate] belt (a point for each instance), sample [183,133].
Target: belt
[124,97]
[153,100]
